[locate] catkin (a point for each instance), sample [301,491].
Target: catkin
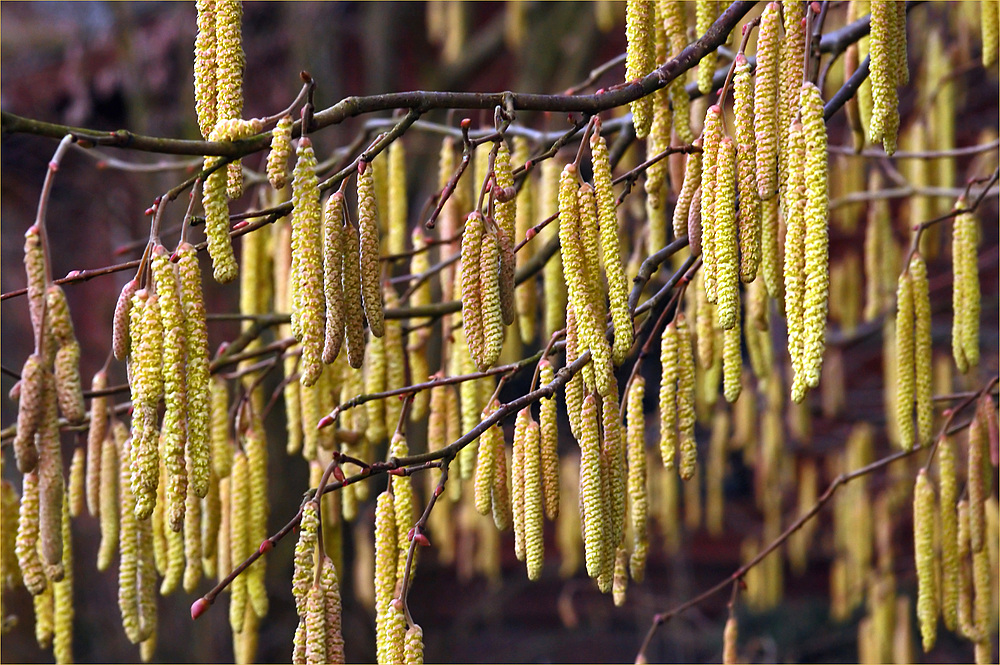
[220,245]
[119,327]
[472,304]
[639,58]
[590,294]
[198,451]
[413,648]
[397,208]
[26,545]
[685,399]
[354,320]
[905,361]
[685,199]
[966,294]
[791,64]
[128,567]
[333,288]
[710,138]
[977,481]
[109,489]
[547,416]
[368,233]
[923,547]
[204,67]
[706,11]
[793,202]
[147,386]
[533,540]
[636,455]
[950,562]
[486,464]
[34,268]
[765,101]
[239,547]
[402,501]
[31,407]
[96,435]
[315,621]
[592,515]
[725,236]
[610,248]
[517,479]
[281,148]
[729,637]
[506,219]
[732,360]
[490,299]
[669,368]
[817,260]
[308,306]
[922,350]
[746,149]
[885,67]
[76,492]
[990,30]
[51,486]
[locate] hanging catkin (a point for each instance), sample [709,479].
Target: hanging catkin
[486,463]
[533,541]
[491,302]
[26,545]
[368,234]
[922,350]
[198,451]
[711,136]
[29,413]
[793,202]
[639,58]
[204,67]
[765,100]
[706,11]
[685,399]
[725,236]
[886,51]
[354,316]
[281,148]
[472,304]
[307,262]
[220,246]
[147,387]
[610,247]
[950,562]
[923,547]
[333,288]
[746,151]
[990,30]
[692,181]
[791,64]
[397,204]
[636,454]
[905,361]
[592,515]
[965,290]
[547,416]
[506,217]
[669,368]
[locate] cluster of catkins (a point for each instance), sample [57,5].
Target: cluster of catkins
[958,547]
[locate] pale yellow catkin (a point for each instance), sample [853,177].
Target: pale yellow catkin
[533,536]
[922,350]
[368,234]
[724,237]
[238,546]
[950,562]
[990,30]
[766,101]
[26,545]
[685,199]
[669,371]
[923,538]
[199,449]
[354,319]
[966,294]
[732,360]
[592,516]
[204,67]
[637,493]
[590,311]
[333,287]
[76,479]
[729,636]
[281,148]
[639,58]
[791,63]
[220,246]
[685,399]
[711,136]
[308,303]
[505,216]
[547,416]
[472,304]
[397,201]
[905,362]
[706,11]
[96,435]
[486,464]
[793,203]
[746,150]
[490,299]
[885,54]
[147,387]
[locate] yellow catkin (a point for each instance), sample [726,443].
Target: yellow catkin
[395,365]
[793,203]
[659,134]
[729,637]
[977,479]
[35,272]
[527,292]
[817,260]
[674,23]
[636,455]
[397,204]
[96,435]
[885,54]
[610,248]
[922,350]
[402,501]
[533,536]
[905,362]
[746,149]
[690,185]
[505,215]
[51,487]
[67,358]
[281,148]
[725,236]
[204,67]
[230,62]
[685,399]
[990,30]
[732,360]
[31,406]
[333,287]
[199,450]
[353,312]
[146,384]
[950,562]
[173,432]
[490,300]
[413,648]
[385,565]
[771,261]
[472,304]
[589,301]
[44,617]
[308,307]
[592,515]
[501,495]
[923,547]
[552,274]
[669,370]
[706,12]
[374,373]
[128,568]
[303,570]
[119,326]
[334,637]
[26,545]
[791,63]
[222,451]
[517,479]
[639,56]
[547,416]
[765,100]
[76,478]
[574,387]
[368,233]
[966,291]
[711,137]
[486,464]
[238,546]
[619,582]
[220,246]
[255,446]
[315,621]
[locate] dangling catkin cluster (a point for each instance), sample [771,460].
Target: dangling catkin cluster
[888,70]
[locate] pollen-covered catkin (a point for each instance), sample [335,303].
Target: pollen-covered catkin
[490,300]
[51,486]
[547,416]
[923,547]
[486,464]
[119,327]
[922,350]
[108,499]
[990,30]
[966,293]
[905,361]
[592,517]
[636,455]
[368,233]
[533,540]
[76,473]
[590,310]
[729,637]
[147,387]
[685,199]
[746,149]
[669,368]
[725,236]
[413,648]
[281,148]
[977,480]
[885,53]
[610,247]
[685,399]
[31,406]
[506,218]
[517,479]
[711,137]
[333,288]
[765,100]
[793,203]
[639,58]
[706,11]
[220,246]
[307,264]
[96,435]
[472,303]
[951,565]
[354,316]
[816,261]
[397,204]
[204,67]
[199,451]
[732,360]
[26,545]
[791,64]
[239,547]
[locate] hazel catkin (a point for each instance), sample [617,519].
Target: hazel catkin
[354,323]
[636,454]
[590,486]
[765,100]
[547,416]
[333,288]
[639,54]
[368,234]
[923,535]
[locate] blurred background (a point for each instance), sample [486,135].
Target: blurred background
[110,65]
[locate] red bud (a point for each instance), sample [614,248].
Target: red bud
[199,607]
[265,546]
